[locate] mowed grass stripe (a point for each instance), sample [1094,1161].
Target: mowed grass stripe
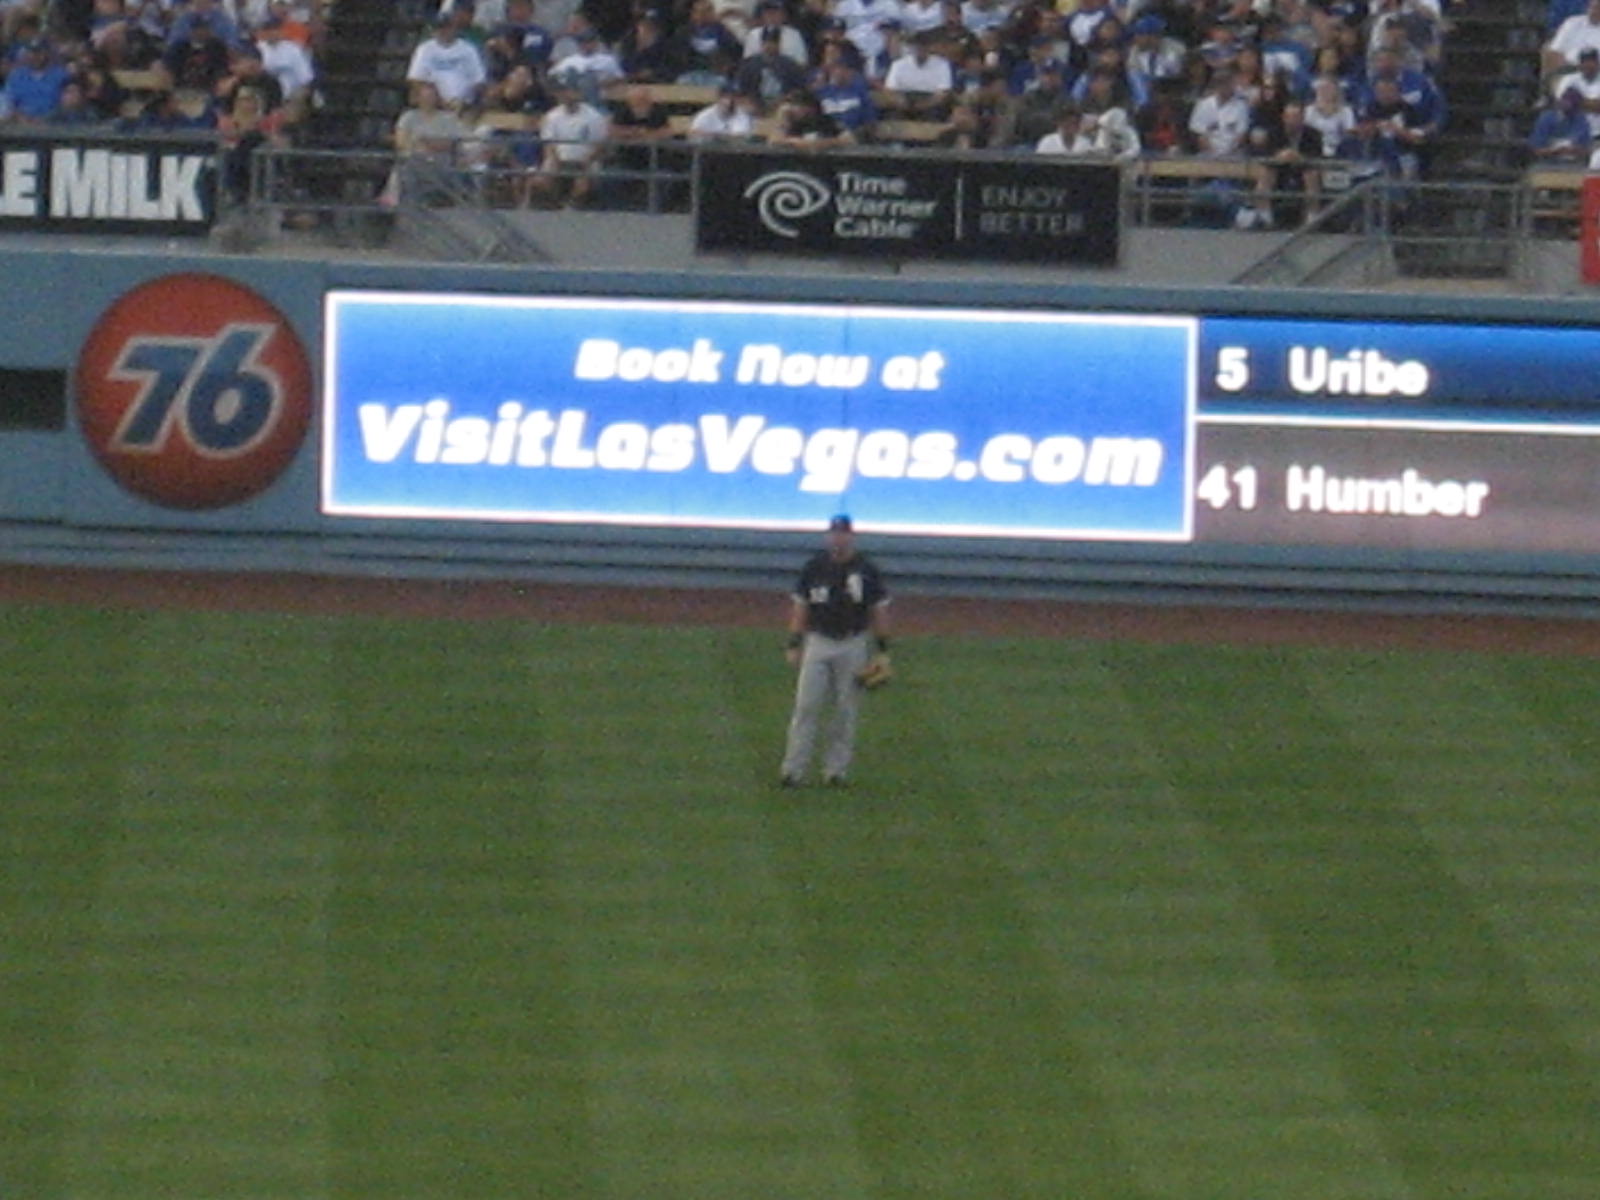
[935,998]
[201,1042]
[1212,1073]
[64,691]
[708,1076]
[455,1045]
[1430,1017]
[1505,788]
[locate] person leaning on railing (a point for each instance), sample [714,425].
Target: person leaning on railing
[573,134]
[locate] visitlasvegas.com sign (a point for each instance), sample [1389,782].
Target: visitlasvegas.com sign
[1033,210]
[764,416]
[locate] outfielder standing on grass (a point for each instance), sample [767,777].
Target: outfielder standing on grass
[839,641]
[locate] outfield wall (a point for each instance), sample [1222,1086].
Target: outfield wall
[1404,449]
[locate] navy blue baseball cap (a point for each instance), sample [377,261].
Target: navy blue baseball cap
[841,524]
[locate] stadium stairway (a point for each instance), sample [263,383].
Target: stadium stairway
[1490,77]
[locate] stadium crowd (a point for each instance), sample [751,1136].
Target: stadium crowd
[243,70]
[1281,83]
[553,88]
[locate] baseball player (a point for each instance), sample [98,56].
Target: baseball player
[839,642]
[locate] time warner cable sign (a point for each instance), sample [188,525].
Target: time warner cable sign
[891,206]
[760,416]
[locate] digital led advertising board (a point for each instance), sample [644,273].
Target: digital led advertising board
[1245,431]
[764,416]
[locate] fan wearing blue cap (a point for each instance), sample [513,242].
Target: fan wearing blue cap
[838,627]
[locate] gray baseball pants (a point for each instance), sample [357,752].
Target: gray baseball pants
[826,701]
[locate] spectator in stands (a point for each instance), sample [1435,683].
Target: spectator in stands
[639,117]
[845,97]
[1083,23]
[921,16]
[109,26]
[978,16]
[1283,53]
[1163,124]
[921,83]
[770,75]
[640,129]
[590,69]
[983,116]
[199,62]
[771,15]
[1067,137]
[727,118]
[288,63]
[706,50]
[1220,119]
[246,70]
[862,22]
[449,62]
[167,112]
[573,133]
[645,54]
[1153,54]
[1350,73]
[1041,60]
[223,27]
[1106,122]
[34,83]
[74,111]
[245,127]
[1409,27]
[803,125]
[464,15]
[519,39]
[102,93]
[1284,150]
[1561,133]
[429,129]
[1132,90]
[1586,82]
[1036,109]
[1396,132]
[1419,92]
[1574,35]
[520,93]
[1331,116]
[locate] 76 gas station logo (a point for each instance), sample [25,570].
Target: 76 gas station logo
[193,392]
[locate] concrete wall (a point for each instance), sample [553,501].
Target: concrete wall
[57,503]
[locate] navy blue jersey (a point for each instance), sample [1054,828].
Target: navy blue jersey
[839,596]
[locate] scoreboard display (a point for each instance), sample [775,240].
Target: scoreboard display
[943,421]
[1398,435]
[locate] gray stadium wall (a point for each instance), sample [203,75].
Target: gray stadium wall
[59,506]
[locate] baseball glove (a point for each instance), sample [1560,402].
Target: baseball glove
[877,673]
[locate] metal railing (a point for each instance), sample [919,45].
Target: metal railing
[461,205]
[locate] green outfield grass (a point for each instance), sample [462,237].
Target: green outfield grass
[304,907]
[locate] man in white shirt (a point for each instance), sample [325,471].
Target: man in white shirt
[920,81]
[1573,36]
[791,44]
[1586,82]
[1068,136]
[589,68]
[919,16]
[287,62]
[450,63]
[726,119]
[573,133]
[1221,118]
